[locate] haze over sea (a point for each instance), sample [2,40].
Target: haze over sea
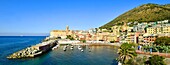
[99,55]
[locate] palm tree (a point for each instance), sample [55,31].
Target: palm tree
[126,52]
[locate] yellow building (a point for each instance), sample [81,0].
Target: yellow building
[124,27]
[151,30]
[166,29]
[58,33]
[111,38]
[159,29]
[61,33]
[116,30]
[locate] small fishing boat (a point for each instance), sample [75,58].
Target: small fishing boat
[64,48]
[55,47]
[81,50]
[71,48]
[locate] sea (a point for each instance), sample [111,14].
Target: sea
[92,55]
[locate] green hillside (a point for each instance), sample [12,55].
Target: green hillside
[144,13]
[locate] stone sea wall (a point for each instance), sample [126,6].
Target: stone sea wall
[34,50]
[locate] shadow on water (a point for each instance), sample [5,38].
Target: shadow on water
[70,57]
[114,62]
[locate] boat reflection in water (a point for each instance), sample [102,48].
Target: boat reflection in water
[86,55]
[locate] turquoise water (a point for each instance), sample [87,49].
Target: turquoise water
[96,55]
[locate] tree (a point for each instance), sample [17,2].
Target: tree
[162,41]
[126,52]
[156,60]
[84,41]
[70,37]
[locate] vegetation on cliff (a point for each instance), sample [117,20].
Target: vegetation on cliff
[144,13]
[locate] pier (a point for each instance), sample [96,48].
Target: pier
[34,50]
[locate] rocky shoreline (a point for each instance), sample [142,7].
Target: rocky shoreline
[35,50]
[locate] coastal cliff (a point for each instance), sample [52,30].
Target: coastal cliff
[34,50]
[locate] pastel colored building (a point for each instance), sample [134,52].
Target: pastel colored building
[150,38]
[61,33]
[158,29]
[58,33]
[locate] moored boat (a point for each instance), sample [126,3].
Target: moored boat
[64,48]
[55,47]
[82,50]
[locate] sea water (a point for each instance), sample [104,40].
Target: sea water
[92,55]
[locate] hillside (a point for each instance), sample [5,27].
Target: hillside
[144,13]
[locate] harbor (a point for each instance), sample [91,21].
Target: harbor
[57,56]
[53,44]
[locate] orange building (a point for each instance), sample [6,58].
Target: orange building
[149,38]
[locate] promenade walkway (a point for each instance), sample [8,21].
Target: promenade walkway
[166,55]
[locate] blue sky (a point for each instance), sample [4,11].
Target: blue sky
[42,16]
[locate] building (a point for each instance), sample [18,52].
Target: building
[61,33]
[164,35]
[150,38]
[163,22]
[152,30]
[140,27]
[130,37]
[58,33]
[67,30]
[166,29]
[158,29]
[111,38]
[116,30]
[140,38]
[124,27]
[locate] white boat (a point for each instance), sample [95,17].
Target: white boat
[55,47]
[64,48]
[79,48]
[82,50]
[71,48]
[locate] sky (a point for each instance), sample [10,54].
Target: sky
[33,17]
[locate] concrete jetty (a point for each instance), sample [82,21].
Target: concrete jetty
[35,50]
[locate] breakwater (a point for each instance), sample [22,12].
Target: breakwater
[34,50]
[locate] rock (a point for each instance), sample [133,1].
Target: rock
[30,51]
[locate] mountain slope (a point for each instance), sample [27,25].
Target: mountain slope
[144,13]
